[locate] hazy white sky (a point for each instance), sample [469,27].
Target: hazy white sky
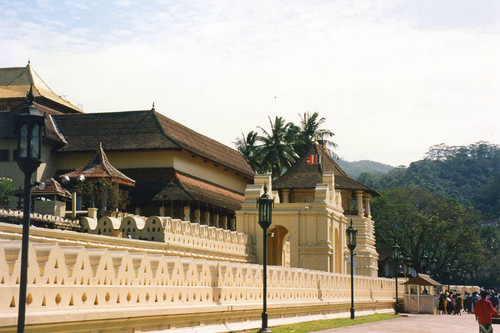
[391,77]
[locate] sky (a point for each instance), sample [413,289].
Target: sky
[392,78]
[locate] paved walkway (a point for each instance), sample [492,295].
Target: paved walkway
[417,323]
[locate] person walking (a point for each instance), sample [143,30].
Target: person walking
[468,303]
[458,305]
[484,311]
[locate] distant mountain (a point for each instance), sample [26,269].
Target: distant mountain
[354,169]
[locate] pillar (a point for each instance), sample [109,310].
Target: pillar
[216,220]
[162,211]
[197,215]
[224,222]
[367,207]
[286,196]
[359,203]
[206,218]
[187,213]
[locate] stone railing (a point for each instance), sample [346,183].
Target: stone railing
[110,290]
[182,239]
[46,220]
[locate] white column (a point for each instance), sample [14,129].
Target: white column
[187,213]
[359,202]
[206,218]
[367,207]
[197,215]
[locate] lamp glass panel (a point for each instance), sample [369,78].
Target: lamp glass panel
[23,151]
[35,142]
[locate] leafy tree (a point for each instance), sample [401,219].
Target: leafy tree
[6,188]
[466,173]
[103,195]
[310,130]
[422,221]
[248,146]
[277,151]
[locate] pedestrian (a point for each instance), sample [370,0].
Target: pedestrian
[468,303]
[449,304]
[442,304]
[494,300]
[483,311]
[458,305]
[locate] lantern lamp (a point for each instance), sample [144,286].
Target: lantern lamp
[29,124]
[351,237]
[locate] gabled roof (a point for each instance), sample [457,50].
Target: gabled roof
[422,280]
[52,187]
[184,187]
[305,176]
[99,167]
[16,81]
[143,130]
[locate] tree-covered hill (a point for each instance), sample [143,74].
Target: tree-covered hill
[469,174]
[354,169]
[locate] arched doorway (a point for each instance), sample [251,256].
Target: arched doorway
[278,246]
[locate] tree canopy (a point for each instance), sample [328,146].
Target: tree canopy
[276,149]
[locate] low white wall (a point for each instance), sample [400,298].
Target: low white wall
[87,287]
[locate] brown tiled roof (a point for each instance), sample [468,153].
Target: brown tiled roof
[51,132]
[422,280]
[305,176]
[16,81]
[143,130]
[99,167]
[52,187]
[184,187]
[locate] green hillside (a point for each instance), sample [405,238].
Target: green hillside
[354,169]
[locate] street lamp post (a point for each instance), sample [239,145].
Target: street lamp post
[351,244]
[396,255]
[265,204]
[434,267]
[424,263]
[447,270]
[29,124]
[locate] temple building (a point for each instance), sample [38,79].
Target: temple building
[176,170]
[314,203]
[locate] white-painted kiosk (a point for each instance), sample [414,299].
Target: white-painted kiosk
[421,294]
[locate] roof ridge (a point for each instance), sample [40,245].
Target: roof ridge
[163,132]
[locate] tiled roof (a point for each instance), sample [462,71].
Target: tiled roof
[51,132]
[143,130]
[422,280]
[99,167]
[305,176]
[184,187]
[52,187]
[16,81]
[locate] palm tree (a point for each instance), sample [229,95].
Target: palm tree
[277,151]
[250,150]
[310,131]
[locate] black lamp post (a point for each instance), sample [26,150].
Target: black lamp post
[351,244]
[29,124]
[396,256]
[447,270]
[265,204]
[424,263]
[434,267]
